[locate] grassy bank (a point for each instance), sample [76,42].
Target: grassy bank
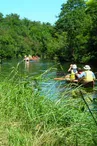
[27,118]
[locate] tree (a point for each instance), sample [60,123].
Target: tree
[76,23]
[92,11]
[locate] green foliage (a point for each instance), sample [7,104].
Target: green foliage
[77,22]
[57,46]
[73,35]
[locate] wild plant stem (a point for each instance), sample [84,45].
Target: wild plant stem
[88,107]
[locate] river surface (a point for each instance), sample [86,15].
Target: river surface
[47,69]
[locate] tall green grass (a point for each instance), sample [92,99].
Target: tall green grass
[27,118]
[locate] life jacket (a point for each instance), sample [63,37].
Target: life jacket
[88,77]
[75,70]
[72,75]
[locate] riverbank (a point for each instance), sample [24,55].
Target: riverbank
[29,118]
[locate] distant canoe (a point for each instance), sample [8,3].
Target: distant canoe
[33,58]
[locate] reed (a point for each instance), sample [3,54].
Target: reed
[28,118]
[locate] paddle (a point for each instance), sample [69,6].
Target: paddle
[63,78]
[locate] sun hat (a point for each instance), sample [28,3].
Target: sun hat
[87,67]
[74,66]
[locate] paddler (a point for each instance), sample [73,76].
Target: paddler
[73,71]
[87,77]
[73,67]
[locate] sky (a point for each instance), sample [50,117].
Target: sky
[34,10]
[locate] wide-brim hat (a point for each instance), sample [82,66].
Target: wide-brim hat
[74,66]
[87,67]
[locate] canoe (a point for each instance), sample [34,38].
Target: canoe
[67,79]
[34,58]
[61,79]
[84,84]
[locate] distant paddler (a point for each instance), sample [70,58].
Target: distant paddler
[26,58]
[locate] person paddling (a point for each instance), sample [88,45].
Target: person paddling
[73,67]
[73,70]
[87,77]
[26,58]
